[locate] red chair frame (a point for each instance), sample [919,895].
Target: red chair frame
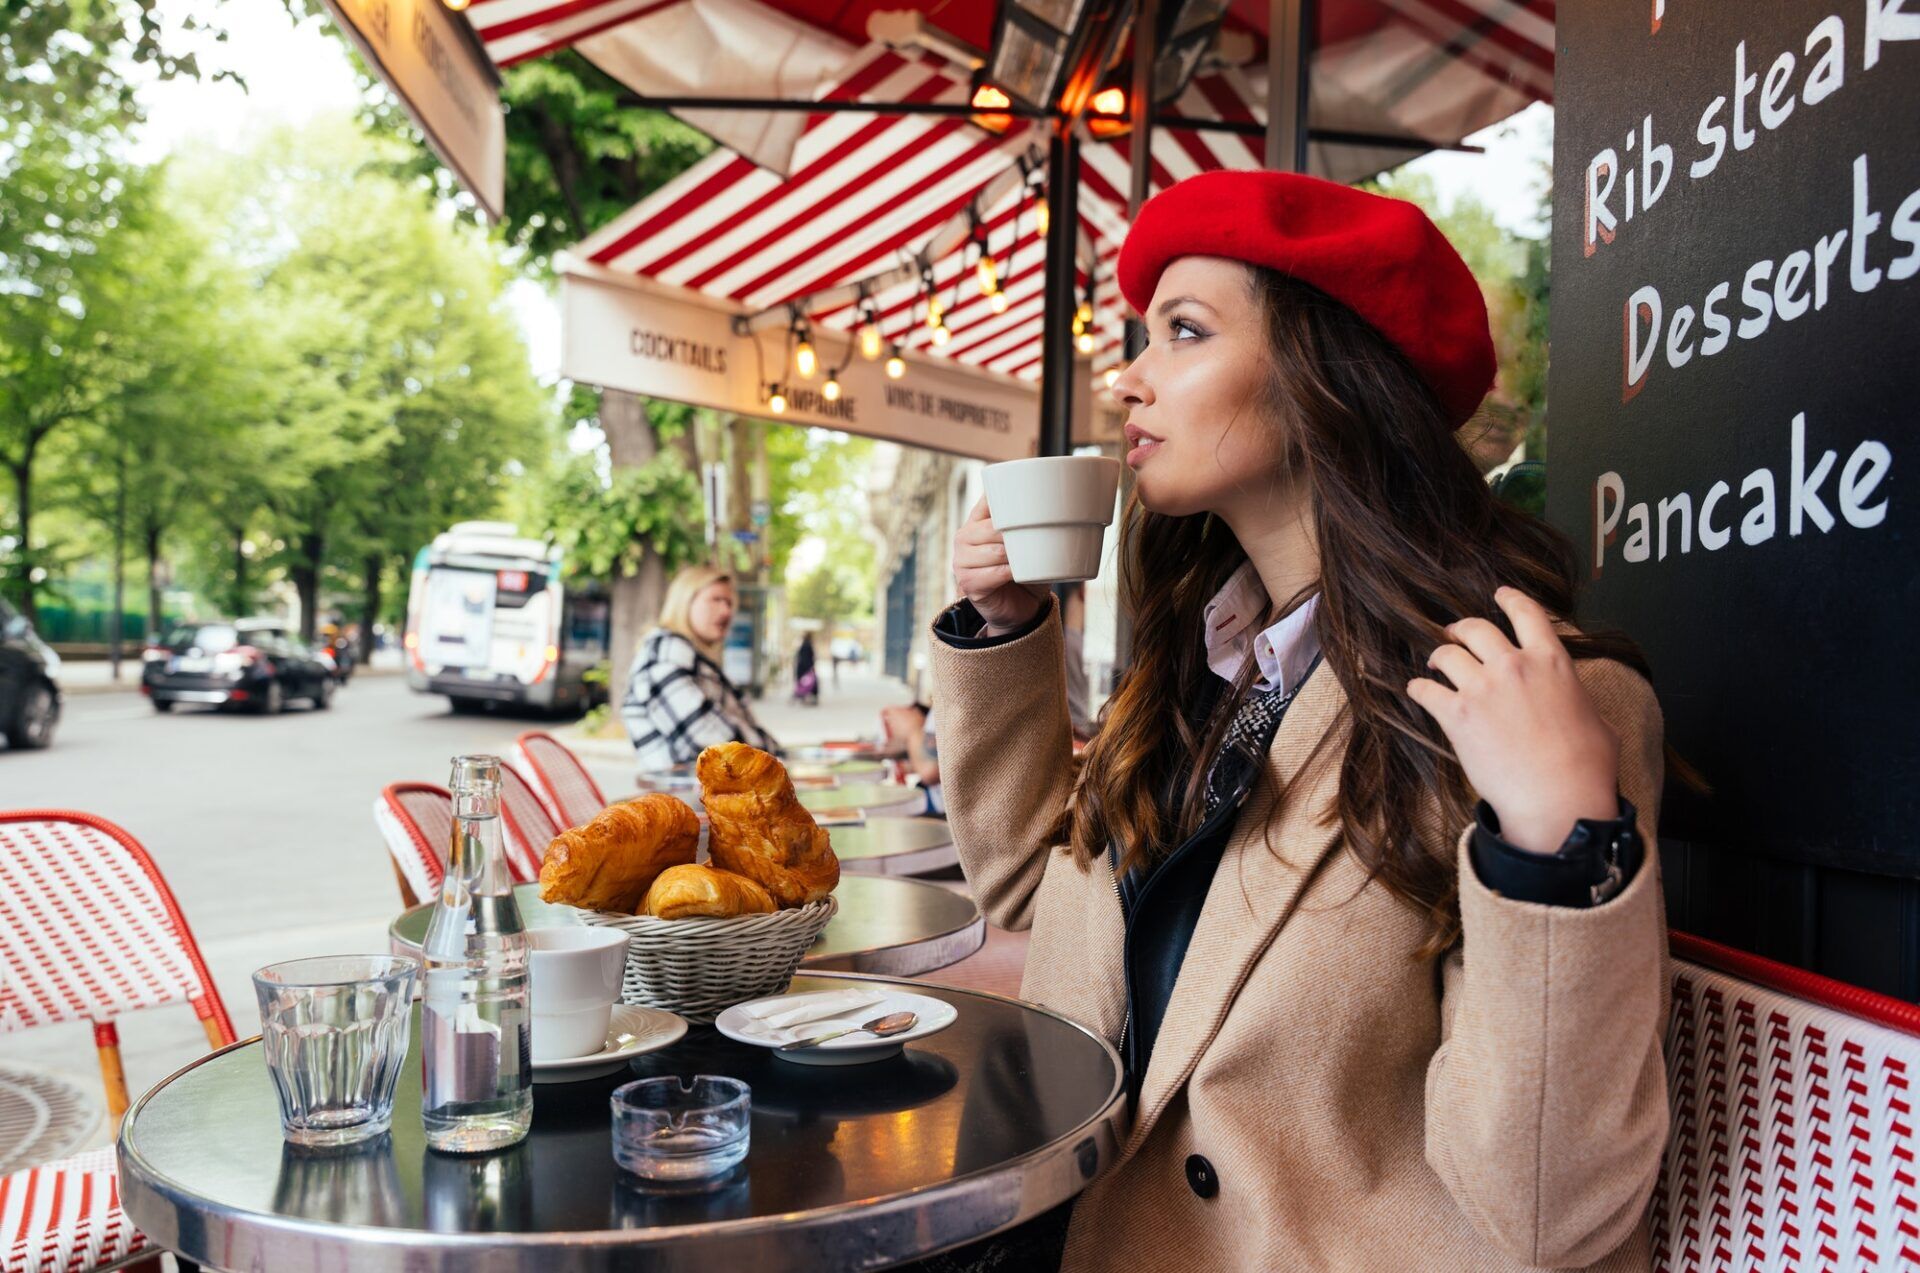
[203,998]
[566,813]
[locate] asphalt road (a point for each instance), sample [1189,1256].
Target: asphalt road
[261,825]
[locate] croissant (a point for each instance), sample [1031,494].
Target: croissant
[609,863]
[683,891]
[758,828]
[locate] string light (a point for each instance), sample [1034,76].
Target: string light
[1040,216]
[1083,316]
[1113,376]
[940,334]
[456,5]
[1084,342]
[778,402]
[989,273]
[831,390]
[805,361]
[998,302]
[871,344]
[896,365]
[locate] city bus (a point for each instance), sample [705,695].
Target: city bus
[491,619]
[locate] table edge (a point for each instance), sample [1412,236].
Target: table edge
[141,1185]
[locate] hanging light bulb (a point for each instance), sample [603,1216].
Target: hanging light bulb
[1040,217]
[1084,315]
[896,365]
[936,312]
[998,302]
[778,402]
[1079,325]
[941,335]
[871,344]
[1084,342]
[456,5]
[805,361]
[989,273]
[831,390]
[1113,376]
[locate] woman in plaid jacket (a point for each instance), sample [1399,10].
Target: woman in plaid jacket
[678,701]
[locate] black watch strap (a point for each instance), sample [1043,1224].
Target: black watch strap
[1595,863]
[960,626]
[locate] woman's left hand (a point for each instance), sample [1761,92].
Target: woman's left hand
[1530,740]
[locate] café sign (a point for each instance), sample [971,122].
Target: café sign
[629,334]
[434,64]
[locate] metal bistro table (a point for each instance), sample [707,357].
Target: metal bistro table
[1006,1114]
[862,799]
[885,925]
[895,846]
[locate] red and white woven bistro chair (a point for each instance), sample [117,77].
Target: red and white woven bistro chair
[89,931]
[416,821]
[570,792]
[1792,1142]
[530,828]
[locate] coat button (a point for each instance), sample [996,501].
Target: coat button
[1201,1178]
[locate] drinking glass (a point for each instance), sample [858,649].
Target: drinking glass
[334,1030]
[669,1131]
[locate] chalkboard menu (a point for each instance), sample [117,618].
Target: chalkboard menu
[1735,398]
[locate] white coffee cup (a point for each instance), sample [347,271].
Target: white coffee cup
[1053,513]
[576,981]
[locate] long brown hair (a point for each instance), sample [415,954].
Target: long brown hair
[1410,539]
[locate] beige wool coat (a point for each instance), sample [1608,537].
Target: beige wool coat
[1504,1107]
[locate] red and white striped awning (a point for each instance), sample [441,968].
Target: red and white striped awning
[863,195]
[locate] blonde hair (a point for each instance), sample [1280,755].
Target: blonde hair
[676,612]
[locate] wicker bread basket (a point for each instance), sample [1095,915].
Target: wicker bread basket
[700,967]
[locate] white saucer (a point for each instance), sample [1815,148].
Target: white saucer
[634,1030]
[852,1049]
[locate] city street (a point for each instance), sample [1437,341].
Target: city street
[263,825]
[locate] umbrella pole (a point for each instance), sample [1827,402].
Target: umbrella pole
[1056,340]
[1289,62]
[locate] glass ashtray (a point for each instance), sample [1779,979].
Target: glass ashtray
[669,1131]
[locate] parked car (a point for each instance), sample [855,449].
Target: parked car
[29,685]
[250,663]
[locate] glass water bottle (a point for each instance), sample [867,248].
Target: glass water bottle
[476,1013]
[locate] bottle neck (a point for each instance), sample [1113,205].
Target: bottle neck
[477,857]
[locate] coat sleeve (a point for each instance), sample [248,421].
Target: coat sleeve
[1006,762]
[1547,1099]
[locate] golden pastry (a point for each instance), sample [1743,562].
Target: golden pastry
[685,891]
[758,828]
[608,864]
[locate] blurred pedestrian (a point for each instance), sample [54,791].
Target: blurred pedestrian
[806,678]
[678,701]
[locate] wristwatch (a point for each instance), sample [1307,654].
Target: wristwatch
[1594,864]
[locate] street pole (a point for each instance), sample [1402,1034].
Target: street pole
[1146,36]
[1056,340]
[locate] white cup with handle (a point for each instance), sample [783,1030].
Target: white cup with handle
[576,981]
[1053,513]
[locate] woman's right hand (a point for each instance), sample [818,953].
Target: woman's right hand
[980,569]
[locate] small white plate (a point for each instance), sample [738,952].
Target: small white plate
[851,1049]
[634,1030]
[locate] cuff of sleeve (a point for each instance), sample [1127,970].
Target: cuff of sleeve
[960,626]
[1594,864]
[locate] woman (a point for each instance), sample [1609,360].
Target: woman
[806,680]
[678,700]
[1358,872]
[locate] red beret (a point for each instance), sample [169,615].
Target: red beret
[1380,257]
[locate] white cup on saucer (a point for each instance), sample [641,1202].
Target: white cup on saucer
[576,981]
[1053,512]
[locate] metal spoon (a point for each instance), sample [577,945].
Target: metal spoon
[883,1027]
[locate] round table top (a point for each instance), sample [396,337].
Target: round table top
[885,925]
[1007,1113]
[894,846]
[856,797]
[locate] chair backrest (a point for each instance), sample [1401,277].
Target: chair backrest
[572,795]
[416,821]
[530,828]
[1792,1142]
[89,930]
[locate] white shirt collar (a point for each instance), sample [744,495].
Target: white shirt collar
[1284,651]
